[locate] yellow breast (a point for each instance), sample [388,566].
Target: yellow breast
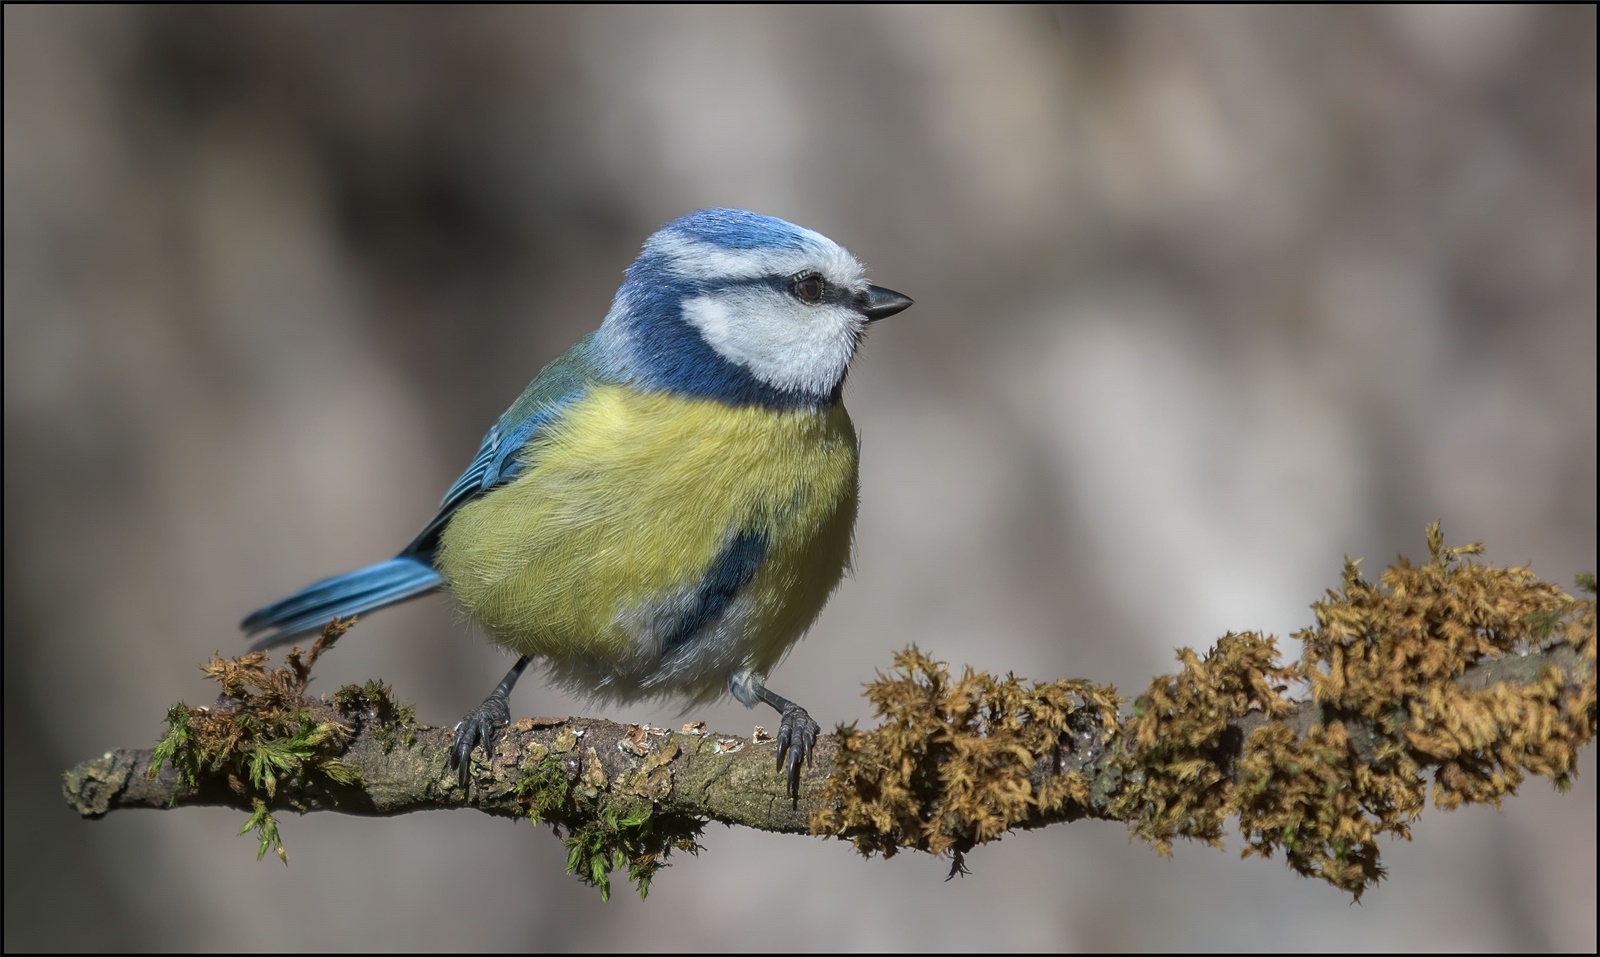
[625,502]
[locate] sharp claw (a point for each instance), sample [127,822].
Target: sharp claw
[477,727]
[461,757]
[797,734]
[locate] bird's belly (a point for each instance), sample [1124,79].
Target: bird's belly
[590,555]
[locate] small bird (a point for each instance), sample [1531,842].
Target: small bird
[669,504]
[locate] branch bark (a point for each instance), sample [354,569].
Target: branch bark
[1425,675]
[719,777]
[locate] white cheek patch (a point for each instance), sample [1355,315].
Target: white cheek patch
[705,262]
[782,341]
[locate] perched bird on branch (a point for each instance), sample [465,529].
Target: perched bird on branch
[669,504]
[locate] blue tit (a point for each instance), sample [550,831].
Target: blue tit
[668,505]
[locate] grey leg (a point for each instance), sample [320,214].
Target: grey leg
[797,732]
[482,722]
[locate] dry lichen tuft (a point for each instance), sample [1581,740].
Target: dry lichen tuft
[956,763]
[1417,673]
[1391,660]
[1178,742]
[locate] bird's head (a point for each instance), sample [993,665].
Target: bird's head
[748,309]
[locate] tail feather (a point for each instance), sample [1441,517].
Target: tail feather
[341,596]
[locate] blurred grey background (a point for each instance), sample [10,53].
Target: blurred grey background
[1206,300]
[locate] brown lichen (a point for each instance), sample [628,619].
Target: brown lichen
[1179,740]
[956,763]
[1389,662]
[1410,676]
[1398,654]
[1315,797]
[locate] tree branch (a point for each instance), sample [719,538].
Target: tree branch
[721,777]
[1469,674]
[724,778]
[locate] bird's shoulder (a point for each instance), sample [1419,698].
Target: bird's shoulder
[565,377]
[558,384]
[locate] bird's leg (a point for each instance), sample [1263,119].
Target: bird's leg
[797,733]
[482,722]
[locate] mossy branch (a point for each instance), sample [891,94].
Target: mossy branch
[1462,673]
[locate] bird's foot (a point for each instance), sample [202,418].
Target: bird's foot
[797,736]
[479,725]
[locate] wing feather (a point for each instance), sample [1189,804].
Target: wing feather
[498,459]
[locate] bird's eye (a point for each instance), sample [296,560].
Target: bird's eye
[808,287]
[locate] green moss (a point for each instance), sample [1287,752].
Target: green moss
[544,788]
[391,722]
[180,747]
[261,731]
[255,749]
[606,829]
[637,838]
[266,827]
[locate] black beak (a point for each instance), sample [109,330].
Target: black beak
[882,303]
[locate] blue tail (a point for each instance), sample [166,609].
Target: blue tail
[341,596]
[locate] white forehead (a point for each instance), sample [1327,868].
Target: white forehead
[707,262]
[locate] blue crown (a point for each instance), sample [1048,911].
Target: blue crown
[740,229]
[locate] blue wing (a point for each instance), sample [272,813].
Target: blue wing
[497,461]
[411,573]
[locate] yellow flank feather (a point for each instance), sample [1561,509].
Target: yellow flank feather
[626,501]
